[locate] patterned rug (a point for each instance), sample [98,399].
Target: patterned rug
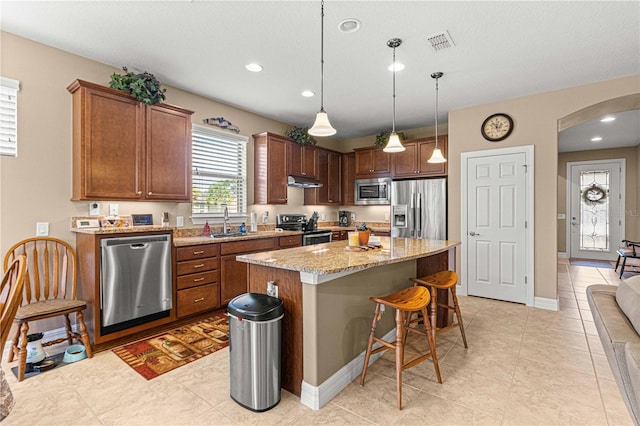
[164,352]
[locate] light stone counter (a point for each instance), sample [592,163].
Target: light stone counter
[190,241]
[333,258]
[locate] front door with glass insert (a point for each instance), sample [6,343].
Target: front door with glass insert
[596,216]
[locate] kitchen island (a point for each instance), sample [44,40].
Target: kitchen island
[325,289]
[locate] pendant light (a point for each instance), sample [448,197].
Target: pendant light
[322,127]
[394,144]
[437,156]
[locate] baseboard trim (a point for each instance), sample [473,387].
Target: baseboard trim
[58,333]
[548,304]
[315,397]
[563,255]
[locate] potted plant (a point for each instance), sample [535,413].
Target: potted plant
[143,87]
[301,136]
[383,137]
[363,234]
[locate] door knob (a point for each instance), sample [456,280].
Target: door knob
[473,234]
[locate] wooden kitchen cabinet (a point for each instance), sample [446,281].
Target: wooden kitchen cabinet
[348,177]
[289,241]
[126,150]
[197,278]
[302,160]
[339,235]
[270,168]
[330,175]
[371,163]
[233,274]
[413,161]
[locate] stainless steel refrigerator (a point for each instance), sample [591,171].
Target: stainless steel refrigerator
[419,209]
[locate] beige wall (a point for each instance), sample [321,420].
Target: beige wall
[631,188]
[536,123]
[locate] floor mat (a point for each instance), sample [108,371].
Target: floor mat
[592,263]
[164,352]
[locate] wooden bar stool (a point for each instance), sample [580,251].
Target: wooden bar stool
[444,280]
[405,302]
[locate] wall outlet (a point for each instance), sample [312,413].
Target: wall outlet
[179,221]
[42,229]
[94,209]
[386,216]
[113,209]
[322,216]
[272,289]
[353,216]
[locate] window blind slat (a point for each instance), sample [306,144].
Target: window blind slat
[9,116]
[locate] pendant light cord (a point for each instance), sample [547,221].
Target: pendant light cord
[393,130]
[437,112]
[322,56]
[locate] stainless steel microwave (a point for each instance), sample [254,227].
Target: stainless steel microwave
[373,191]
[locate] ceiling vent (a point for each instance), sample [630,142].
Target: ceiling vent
[441,41]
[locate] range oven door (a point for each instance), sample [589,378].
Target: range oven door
[316,238]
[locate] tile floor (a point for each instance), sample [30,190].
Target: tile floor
[524,366]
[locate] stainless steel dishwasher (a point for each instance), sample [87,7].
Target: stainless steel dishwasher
[135,280]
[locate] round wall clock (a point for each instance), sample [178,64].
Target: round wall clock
[497,127]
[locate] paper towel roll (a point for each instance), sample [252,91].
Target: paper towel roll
[254,222]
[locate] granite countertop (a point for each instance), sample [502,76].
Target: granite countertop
[190,241]
[331,258]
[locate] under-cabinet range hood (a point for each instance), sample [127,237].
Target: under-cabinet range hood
[303,182]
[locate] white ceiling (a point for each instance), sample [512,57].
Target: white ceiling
[502,50]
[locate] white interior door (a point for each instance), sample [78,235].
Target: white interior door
[496,191]
[596,214]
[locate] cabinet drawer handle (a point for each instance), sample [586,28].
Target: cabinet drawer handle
[198,266]
[195,280]
[139,192]
[198,252]
[198,300]
[150,193]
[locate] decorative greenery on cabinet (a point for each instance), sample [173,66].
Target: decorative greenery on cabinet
[143,87]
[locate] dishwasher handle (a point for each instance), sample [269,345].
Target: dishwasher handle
[139,246]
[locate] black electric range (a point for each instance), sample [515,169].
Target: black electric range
[309,227]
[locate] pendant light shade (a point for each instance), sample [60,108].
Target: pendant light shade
[394,144]
[322,127]
[437,156]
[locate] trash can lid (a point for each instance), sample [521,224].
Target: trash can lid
[255,307]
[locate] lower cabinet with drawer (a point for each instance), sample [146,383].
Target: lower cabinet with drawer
[233,274]
[198,278]
[289,241]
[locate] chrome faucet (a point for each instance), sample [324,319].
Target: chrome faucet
[225,228]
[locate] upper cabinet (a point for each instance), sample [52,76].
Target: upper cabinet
[348,176]
[413,161]
[303,160]
[270,168]
[125,150]
[372,162]
[330,175]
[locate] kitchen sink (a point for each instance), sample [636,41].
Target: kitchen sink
[228,234]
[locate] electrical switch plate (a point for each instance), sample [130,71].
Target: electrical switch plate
[94,209]
[180,221]
[322,217]
[562,216]
[42,229]
[272,289]
[386,216]
[113,209]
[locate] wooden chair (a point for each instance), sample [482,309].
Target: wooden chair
[10,296]
[630,249]
[50,291]
[444,280]
[405,302]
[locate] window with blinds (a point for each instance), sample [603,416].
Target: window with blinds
[219,162]
[9,116]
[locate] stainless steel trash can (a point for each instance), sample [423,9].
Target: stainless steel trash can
[254,350]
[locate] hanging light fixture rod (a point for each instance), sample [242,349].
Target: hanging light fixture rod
[437,156]
[322,127]
[394,144]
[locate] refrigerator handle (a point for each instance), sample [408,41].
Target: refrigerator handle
[419,214]
[413,214]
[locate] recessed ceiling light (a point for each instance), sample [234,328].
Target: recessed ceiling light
[349,25]
[395,67]
[596,139]
[253,67]
[607,119]
[308,94]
